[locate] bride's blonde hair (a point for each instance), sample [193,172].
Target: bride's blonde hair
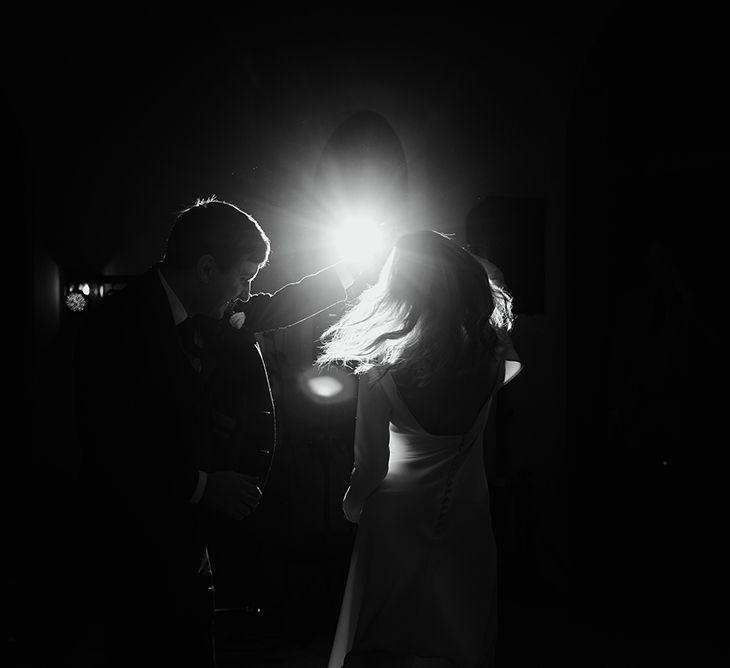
[432,308]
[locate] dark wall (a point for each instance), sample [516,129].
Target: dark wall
[648,164]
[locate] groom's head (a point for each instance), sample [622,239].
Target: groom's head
[217,250]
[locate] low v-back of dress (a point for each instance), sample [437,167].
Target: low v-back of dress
[423,570]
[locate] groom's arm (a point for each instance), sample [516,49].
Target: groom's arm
[297,301]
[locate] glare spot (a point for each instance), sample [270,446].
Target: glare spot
[325,386]
[330,386]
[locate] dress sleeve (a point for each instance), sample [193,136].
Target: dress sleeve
[372,435]
[512,361]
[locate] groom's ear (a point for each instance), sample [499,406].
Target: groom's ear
[204,268]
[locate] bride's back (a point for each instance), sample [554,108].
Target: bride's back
[450,402]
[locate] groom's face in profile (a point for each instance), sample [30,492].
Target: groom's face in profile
[229,283]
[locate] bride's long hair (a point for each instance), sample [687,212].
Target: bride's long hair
[433,308]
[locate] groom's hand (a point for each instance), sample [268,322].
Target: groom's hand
[493,271]
[368,269]
[231,493]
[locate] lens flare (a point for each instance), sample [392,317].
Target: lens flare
[325,387]
[328,386]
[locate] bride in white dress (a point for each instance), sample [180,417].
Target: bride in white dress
[431,343]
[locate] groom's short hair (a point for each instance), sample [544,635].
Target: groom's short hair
[218,228]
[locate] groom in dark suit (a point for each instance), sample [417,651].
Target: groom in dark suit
[176,422]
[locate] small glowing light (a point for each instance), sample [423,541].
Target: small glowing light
[329,386]
[325,386]
[76,302]
[84,287]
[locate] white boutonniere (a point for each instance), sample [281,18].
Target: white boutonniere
[237,319]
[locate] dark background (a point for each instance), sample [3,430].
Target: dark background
[578,145]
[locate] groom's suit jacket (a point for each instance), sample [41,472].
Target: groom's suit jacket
[239,397]
[148,422]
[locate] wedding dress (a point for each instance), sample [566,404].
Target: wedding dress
[421,588]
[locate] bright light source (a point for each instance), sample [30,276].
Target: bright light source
[84,287]
[359,241]
[359,237]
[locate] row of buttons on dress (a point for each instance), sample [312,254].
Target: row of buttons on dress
[449,485]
